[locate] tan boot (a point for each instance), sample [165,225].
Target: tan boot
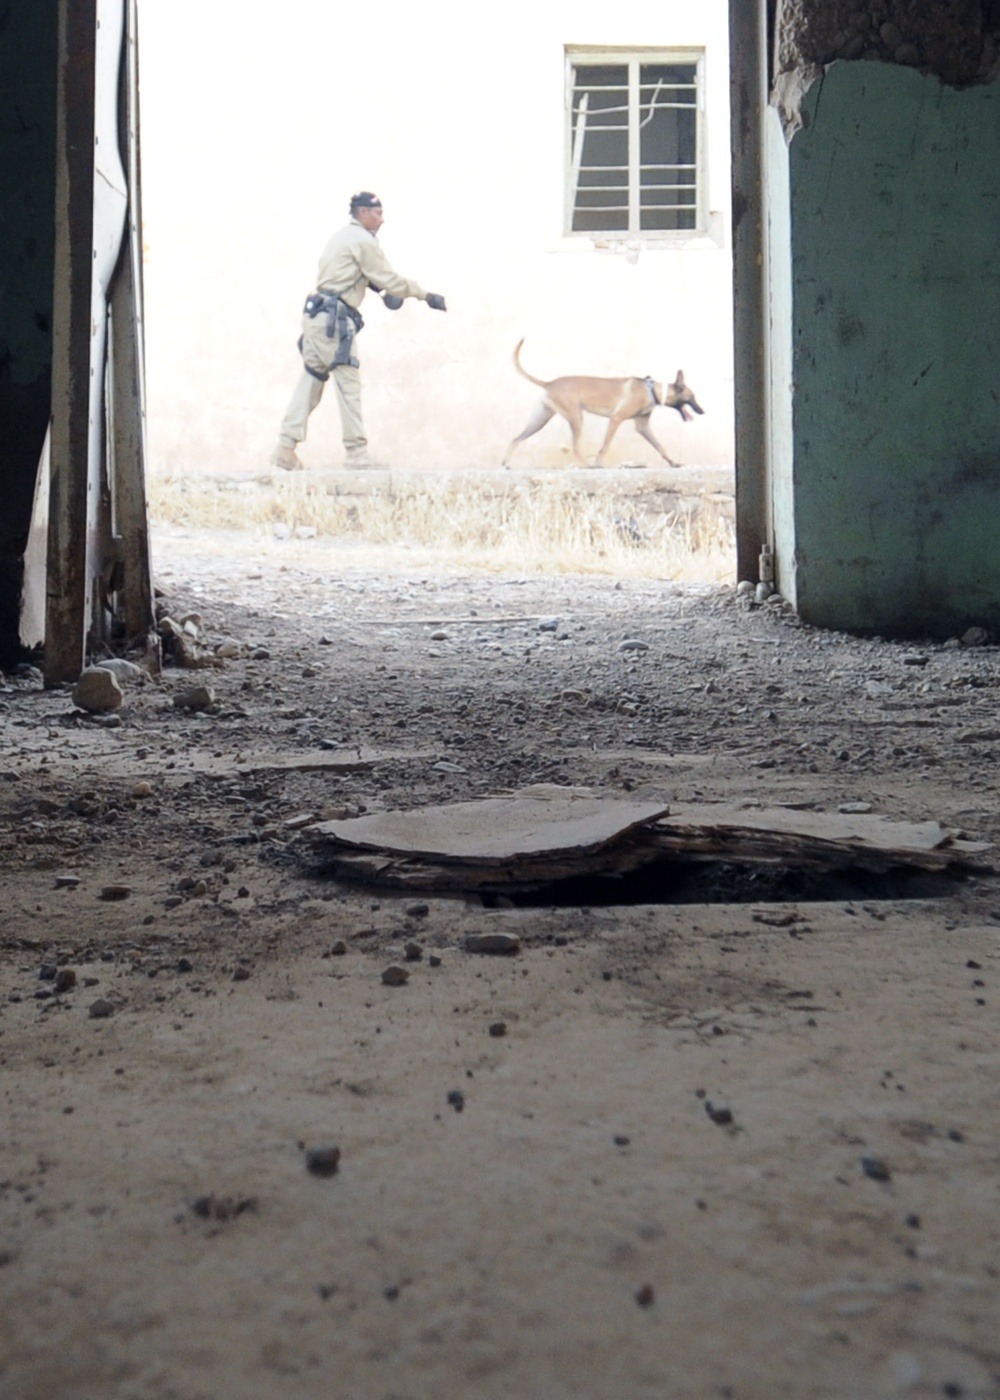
[285,458]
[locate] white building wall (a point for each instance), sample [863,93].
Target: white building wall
[255,132]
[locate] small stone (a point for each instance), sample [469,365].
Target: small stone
[498,1029]
[242,974]
[97,691]
[457,1100]
[875,1168]
[548,624]
[620,1140]
[914,658]
[122,670]
[434,960]
[718,1114]
[854,809]
[100,1009]
[645,1296]
[975,637]
[185,965]
[113,892]
[198,697]
[142,789]
[323,1161]
[65,980]
[439,636]
[762,592]
[500,943]
[744,587]
[228,649]
[47,972]
[395,976]
[420,910]
[338,949]
[414,952]
[66,882]
[633,644]
[260,654]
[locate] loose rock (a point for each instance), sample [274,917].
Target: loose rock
[501,943]
[100,1009]
[323,1161]
[875,1168]
[97,691]
[199,697]
[395,976]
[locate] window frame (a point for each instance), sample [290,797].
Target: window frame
[584,56]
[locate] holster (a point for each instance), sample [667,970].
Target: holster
[342,324]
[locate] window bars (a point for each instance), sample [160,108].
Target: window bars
[635,145]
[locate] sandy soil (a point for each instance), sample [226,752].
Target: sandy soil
[541,1213]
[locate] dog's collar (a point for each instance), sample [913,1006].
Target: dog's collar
[650,384]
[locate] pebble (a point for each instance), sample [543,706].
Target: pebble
[338,949]
[413,950]
[457,1100]
[503,943]
[646,1295]
[439,636]
[97,691]
[323,1161]
[498,1029]
[395,976]
[66,882]
[65,980]
[853,809]
[875,1168]
[718,1114]
[633,644]
[744,587]
[111,892]
[419,910]
[122,670]
[975,637]
[100,1009]
[142,789]
[199,697]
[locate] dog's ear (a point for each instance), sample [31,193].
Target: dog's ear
[679,381]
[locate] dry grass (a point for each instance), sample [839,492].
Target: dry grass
[528,525]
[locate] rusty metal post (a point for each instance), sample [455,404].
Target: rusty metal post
[73,391]
[128,410]
[748,37]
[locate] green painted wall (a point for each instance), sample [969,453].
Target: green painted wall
[894,188]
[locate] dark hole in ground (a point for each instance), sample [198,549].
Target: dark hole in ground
[720,882]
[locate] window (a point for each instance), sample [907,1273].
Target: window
[635,143]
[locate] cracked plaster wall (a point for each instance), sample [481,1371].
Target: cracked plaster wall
[958,40]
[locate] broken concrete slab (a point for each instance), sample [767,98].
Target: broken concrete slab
[546,834]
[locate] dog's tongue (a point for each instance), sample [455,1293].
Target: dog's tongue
[686,413]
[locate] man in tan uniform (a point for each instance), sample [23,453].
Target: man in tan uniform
[352,262]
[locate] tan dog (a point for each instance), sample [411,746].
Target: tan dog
[616,399]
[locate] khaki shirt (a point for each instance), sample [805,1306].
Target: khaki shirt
[352,259]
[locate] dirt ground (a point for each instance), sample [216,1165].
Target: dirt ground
[532,1202]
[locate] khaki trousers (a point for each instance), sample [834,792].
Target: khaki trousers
[317,352]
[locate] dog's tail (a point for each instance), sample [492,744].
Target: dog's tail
[520,368]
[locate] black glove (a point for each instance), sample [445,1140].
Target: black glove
[393,303]
[436,302]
